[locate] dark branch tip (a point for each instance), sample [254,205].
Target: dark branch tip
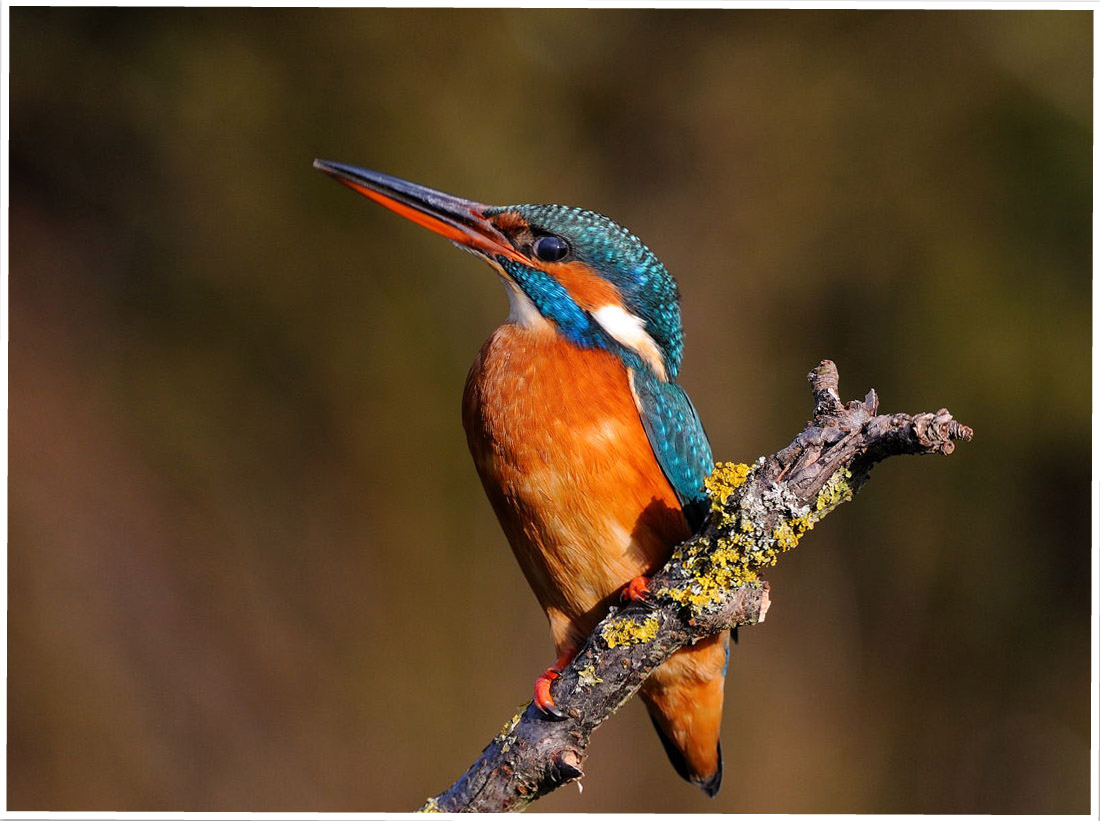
[957,430]
[825,375]
[825,384]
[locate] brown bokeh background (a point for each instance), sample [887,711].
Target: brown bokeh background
[250,564]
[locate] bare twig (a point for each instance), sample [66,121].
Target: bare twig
[710,584]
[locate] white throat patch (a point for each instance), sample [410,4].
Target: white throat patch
[521,310]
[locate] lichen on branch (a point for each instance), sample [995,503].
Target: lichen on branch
[746,533]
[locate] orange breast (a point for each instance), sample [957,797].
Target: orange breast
[566,463]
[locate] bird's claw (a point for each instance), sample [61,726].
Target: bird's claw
[637,589]
[543,700]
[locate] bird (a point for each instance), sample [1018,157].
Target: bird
[590,452]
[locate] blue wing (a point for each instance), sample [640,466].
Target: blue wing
[677,438]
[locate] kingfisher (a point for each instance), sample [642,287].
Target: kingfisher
[592,455]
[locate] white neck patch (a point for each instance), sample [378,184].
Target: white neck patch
[629,330]
[521,310]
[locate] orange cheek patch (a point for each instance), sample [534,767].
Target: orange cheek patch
[588,289]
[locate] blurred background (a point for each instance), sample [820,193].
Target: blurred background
[251,566]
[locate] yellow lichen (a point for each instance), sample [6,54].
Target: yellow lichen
[627,631]
[735,557]
[788,534]
[587,676]
[724,480]
[715,570]
[836,491]
[430,806]
[510,725]
[785,536]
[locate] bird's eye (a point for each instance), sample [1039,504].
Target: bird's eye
[551,249]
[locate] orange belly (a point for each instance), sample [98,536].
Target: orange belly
[569,470]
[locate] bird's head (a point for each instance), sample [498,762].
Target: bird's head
[594,281]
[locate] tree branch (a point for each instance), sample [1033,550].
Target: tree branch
[710,584]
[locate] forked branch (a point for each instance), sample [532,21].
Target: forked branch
[710,584]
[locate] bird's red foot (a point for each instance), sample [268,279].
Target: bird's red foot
[636,589]
[543,700]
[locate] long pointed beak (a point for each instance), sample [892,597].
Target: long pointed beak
[461,221]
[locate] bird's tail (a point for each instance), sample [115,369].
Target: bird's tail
[684,700]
